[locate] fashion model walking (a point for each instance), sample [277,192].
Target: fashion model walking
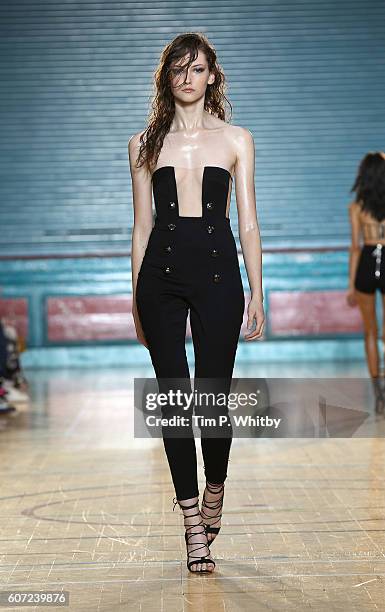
[187,262]
[367,262]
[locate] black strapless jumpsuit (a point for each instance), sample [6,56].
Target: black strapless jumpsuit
[191,265]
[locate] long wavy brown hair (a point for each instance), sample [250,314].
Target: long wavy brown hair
[369,185]
[163,105]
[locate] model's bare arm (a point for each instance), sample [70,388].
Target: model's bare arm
[355,247]
[249,234]
[142,203]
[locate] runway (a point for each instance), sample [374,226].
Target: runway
[87,509]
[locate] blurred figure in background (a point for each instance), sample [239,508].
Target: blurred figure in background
[367,261]
[13,384]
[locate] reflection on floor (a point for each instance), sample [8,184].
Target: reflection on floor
[87,508]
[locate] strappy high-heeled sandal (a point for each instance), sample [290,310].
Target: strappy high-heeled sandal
[194,559]
[217,505]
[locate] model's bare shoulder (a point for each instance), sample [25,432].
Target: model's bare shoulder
[354,207]
[133,150]
[242,142]
[238,138]
[241,134]
[241,137]
[134,142]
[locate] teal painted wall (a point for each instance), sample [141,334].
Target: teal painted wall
[305,78]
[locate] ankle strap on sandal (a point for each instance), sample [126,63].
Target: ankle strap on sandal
[213,504]
[184,507]
[218,487]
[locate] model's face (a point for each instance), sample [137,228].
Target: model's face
[196,79]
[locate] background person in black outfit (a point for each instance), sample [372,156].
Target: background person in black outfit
[367,261]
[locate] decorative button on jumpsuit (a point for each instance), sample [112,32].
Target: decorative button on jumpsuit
[191,265]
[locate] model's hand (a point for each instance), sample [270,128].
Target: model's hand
[255,316]
[138,327]
[351,297]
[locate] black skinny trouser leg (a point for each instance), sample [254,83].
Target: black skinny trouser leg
[164,325]
[215,325]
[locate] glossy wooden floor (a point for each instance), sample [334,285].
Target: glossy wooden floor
[88,509]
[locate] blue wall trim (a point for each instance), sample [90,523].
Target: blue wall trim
[305,77]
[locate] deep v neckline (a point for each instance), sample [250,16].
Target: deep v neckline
[175,186]
[204,169]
